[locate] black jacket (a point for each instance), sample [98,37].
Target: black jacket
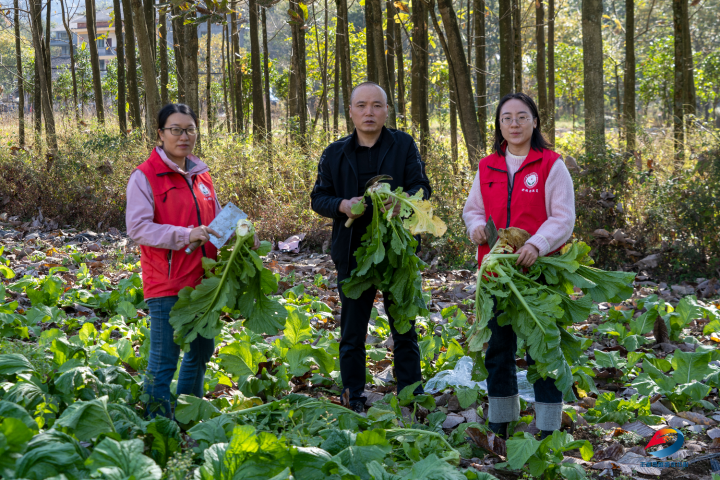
[337,180]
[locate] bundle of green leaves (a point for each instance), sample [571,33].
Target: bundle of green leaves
[236,281]
[541,303]
[386,258]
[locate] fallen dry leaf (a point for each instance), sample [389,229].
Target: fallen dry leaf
[487,441]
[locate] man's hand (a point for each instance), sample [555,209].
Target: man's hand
[528,255]
[387,205]
[346,205]
[478,235]
[201,233]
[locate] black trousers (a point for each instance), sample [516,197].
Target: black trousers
[355,316]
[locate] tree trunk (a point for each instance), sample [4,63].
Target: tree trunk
[231,115]
[147,62]
[224,78]
[343,57]
[37,102]
[20,78]
[179,49]
[120,48]
[517,45]
[469,23]
[507,47]
[453,127]
[381,63]
[36,27]
[190,63]
[48,63]
[208,78]
[148,6]
[593,76]
[298,92]
[550,132]
[94,60]
[390,45]
[419,73]
[541,83]
[258,117]
[400,55]
[678,94]
[689,77]
[266,76]
[69,33]
[629,107]
[370,51]
[460,76]
[163,56]
[481,71]
[237,70]
[132,82]
[336,88]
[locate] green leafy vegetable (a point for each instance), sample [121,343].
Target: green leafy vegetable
[239,282]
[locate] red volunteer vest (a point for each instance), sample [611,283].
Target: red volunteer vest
[521,204]
[166,272]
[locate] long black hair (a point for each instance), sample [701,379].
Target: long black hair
[537,140]
[171,108]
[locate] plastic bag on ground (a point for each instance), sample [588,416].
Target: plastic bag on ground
[461,376]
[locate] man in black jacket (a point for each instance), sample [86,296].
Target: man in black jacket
[344,168]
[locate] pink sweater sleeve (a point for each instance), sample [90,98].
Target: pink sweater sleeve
[139,218]
[560,207]
[474,211]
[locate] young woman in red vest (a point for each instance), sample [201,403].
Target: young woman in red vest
[522,184]
[170,200]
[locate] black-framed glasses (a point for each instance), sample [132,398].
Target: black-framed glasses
[177,131]
[521,120]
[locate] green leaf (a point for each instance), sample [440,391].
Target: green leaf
[466,396]
[193,409]
[165,438]
[520,449]
[87,420]
[690,366]
[609,359]
[13,363]
[123,460]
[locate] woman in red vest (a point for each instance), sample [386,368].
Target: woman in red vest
[170,200]
[522,184]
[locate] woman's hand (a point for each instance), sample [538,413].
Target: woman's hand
[202,234]
[528,254]
[478,235]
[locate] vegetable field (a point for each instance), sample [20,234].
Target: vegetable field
[75,339]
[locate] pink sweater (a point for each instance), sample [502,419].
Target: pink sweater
[559,204]
[140,209]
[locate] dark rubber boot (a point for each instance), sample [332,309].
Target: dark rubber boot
[545,433]
[500,429]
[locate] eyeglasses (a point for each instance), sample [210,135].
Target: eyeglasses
[521,120]
[177,131]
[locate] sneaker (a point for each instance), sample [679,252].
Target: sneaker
[357,407]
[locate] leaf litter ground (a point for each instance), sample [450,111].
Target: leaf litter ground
[74,345]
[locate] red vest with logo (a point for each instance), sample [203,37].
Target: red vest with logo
[520,204]
[166,272]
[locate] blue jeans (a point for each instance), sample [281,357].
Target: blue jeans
[164,355]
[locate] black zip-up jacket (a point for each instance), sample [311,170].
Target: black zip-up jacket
[337,180]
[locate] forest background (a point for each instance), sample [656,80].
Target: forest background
[629,93]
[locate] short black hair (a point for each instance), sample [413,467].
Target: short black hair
[537,140]
[171,108]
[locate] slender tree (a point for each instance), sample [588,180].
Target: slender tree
[336,88]
[298,87]
[460,78]
[550,132]
[629,80]
[326,113]
[37,102]
[258,117]
[593,75]
[481,71]
[179,50]
[343,39]
[208,77]
[163,56]
[453,126]
[400,56]
[224,78]
[94,59]
[190,63]
[48,63]
[131,63]
[370,52]
[237,69]
[381,63]
[122,118]
[71,44]
[540,63]
[231,114]
[419,73]
[679,76]
[20,78]
[266,75]
[147,62]
[390,12]
[689,75]
[36,27]
[517,45]
[507,43]
[149,8]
